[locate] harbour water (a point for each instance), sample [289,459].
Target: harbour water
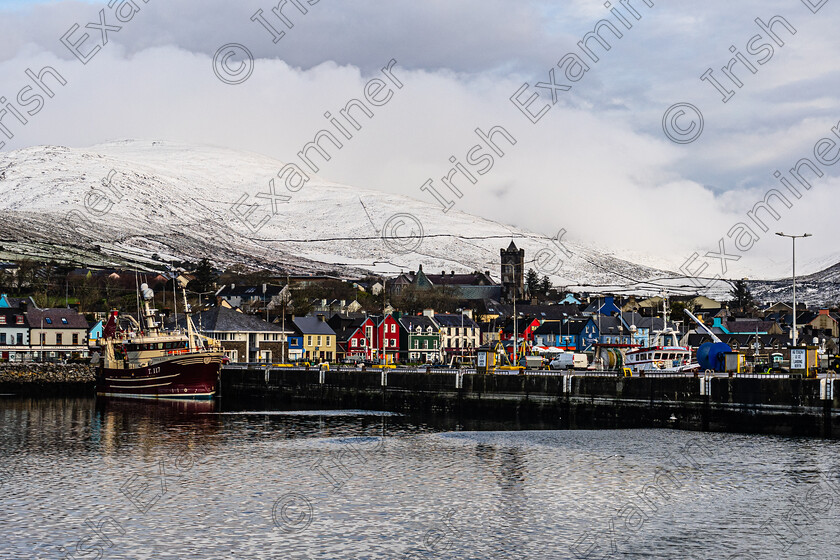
[81,478]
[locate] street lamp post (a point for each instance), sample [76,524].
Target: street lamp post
[793,240]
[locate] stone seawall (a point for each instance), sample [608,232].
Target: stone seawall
[33,379]
[755,405]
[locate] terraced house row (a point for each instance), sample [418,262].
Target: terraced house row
[28,332]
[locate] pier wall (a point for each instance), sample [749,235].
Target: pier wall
[788,406]
[34,379]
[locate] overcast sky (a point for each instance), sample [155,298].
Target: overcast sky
[597,164]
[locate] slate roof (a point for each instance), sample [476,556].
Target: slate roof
[312,325]
[56,318]
[411,322]
[743,340]
[747,326]
[11,316]
[454,320]
[14,302]
[572,327]
[543,312]
[249,291]
[345,325]
[225,319]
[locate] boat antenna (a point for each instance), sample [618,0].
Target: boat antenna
[137,294]
[175,295]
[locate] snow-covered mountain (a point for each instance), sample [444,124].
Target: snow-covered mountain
[122,202]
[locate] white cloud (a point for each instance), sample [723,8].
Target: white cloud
[597,165]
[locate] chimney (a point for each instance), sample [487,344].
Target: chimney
[443,273]
[451,273]
[322,317]
[232,286]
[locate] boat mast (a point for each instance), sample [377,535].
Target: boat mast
[188,314]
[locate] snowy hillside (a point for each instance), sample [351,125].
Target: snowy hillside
[179,201]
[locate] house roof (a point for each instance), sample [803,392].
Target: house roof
[312,325]
[411,322]
[571,327]
[7,302]
[248,290]
[454,320]
[225,319]
[10,315]
[56,318]
[344,325]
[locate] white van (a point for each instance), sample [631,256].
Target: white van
[569,360]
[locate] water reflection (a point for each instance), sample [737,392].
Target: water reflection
[179,480]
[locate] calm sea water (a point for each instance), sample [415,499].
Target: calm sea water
[87,479]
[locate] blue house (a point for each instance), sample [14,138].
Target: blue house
[566,334]
[606,330]
[95,332]
[295,346]
[604,306]
[570,299]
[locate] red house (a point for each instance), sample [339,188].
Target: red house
[367,339]
[388,341]
[363,339]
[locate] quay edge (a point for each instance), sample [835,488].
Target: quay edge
[755,404]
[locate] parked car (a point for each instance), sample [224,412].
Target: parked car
[569,360]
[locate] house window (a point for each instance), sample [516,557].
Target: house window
[354,343]
[393,328]
[319,340]
[63,320]
[48,321]
[426,344]
[58,339]
[75,338]
[309,340]
[436,343]
[20,339]
[416,344]
[43,339]
[2,319]
[19,319]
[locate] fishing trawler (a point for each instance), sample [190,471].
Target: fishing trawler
[145,361]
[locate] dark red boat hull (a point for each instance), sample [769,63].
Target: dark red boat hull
[183,377]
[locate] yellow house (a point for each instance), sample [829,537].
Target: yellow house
[318,338]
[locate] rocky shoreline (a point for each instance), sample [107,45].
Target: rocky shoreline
[34,379]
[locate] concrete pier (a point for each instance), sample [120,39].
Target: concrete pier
[754,404]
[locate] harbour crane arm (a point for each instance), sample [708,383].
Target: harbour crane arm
[702,326]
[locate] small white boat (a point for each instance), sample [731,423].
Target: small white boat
[665,354]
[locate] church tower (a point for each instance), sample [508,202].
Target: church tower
[513,272]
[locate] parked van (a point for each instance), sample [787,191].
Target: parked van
[569,360]
[531,362]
